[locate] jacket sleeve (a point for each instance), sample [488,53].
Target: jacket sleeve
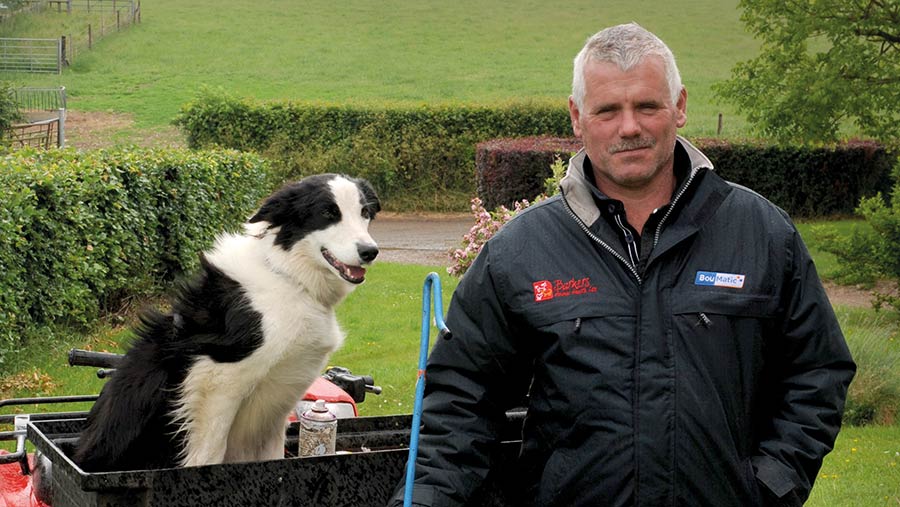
[811,369]
[471,380]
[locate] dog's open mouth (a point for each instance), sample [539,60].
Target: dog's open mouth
[353,274]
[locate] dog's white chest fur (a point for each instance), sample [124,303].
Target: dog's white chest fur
[236,411]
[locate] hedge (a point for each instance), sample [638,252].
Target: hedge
[404,150]
[81,231]
[805,181]
[509,170]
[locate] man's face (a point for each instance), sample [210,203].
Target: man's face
[628,124]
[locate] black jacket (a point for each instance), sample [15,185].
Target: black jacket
[711,373]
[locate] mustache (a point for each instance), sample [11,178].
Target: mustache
[632,144]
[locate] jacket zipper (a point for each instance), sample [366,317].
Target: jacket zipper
[629,241]
[665,217]
[600,242]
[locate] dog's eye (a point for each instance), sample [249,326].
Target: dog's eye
[366,214]
[331,213]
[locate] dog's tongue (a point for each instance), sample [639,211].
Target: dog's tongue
[356,271]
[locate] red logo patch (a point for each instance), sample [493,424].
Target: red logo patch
[543,290]
[546,290]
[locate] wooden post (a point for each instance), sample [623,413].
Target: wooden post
[90,38]
[64,52]
[118,21]
[719,129]
[68,6]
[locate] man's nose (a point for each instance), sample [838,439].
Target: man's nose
[629,125]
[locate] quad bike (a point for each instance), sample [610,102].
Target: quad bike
[373,454]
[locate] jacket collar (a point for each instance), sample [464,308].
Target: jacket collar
[576,189]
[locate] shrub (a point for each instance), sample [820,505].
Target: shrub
[81,231]
[425,151]
[508,170]
[9,110]
[872,253]
[805,181]
[487,223]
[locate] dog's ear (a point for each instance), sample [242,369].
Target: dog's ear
[268,212]
[369,198]
[265,213]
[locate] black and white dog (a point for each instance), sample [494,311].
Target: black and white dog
[213,380]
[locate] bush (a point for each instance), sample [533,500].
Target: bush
[79,232]
[9,110]
[508,170]
[805,181]
[871,254]
[424,151]
[487,223]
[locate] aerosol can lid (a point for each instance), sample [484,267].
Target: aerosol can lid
[319,412]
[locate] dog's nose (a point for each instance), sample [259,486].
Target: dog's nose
[367,252]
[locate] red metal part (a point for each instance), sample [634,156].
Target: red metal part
[15,488]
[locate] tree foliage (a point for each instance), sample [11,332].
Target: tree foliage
[822,64]
[9,110]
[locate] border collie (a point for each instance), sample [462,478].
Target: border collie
[214,379]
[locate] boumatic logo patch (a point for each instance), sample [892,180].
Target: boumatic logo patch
[546,290]
[730,280]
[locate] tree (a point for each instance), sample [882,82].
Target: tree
[9,110]
[822,63]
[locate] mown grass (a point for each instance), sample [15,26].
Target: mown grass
[394,51]
[862,470]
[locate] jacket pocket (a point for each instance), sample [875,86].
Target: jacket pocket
[718,342]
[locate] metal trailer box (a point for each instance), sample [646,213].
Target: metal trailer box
[365,476]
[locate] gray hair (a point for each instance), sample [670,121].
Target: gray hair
[626,46]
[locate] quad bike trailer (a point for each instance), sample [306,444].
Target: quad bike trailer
[372,454]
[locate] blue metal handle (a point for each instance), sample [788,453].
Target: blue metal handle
[431,281]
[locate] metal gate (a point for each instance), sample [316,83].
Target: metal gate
[31,55]
[44,110]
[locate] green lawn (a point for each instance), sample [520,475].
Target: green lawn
[862,471]
[398,50]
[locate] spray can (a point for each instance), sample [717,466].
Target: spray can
[318,431]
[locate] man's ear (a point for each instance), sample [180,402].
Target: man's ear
[575,117]
[681,106]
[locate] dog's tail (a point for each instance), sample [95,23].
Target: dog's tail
[129,427]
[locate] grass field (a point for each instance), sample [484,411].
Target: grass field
[417,51]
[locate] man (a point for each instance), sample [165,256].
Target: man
[669,328]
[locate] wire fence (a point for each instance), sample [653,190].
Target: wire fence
[103,17]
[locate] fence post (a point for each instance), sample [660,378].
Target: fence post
[64,50]
[61,129]
[68,6]
[60,45]
[117,21]
[90,37]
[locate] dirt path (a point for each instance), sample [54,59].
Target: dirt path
[422,239]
